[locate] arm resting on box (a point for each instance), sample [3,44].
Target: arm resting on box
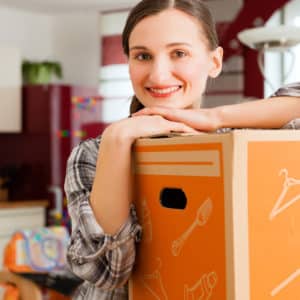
[103,259]
[274,112]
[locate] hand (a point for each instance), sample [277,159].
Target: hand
[147,126]
[199,119]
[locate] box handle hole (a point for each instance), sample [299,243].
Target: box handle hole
[173,198]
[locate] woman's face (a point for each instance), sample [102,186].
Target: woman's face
[169,60]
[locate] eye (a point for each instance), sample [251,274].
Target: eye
[143,56]
[179,54]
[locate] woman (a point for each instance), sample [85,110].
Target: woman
[172,50]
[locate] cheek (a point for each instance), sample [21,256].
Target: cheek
[195,75]
[136,74]
[194,71]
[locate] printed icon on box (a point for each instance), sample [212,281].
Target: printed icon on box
[154,284]
[203,214]
[285,282]
[202,289]
[146,222]
[279,207]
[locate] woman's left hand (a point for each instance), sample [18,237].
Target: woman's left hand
[201,119]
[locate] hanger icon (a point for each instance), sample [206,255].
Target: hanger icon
[279,207]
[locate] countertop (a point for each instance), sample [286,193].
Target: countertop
[23,203]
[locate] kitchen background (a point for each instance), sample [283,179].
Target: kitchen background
[39,124]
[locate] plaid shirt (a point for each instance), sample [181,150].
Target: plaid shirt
[103,261]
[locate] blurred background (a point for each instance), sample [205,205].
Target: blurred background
[64,77]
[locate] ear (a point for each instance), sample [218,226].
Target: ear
[217,58]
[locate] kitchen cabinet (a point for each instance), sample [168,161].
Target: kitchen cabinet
[39,154]
[36,158]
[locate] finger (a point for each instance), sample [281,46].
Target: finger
[168,113]
[191,133]
[157,110]
[139,112]
[181,127]
[144,111]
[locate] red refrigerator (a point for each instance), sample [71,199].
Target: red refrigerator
[55,119]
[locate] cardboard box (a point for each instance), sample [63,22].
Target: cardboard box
[220,216]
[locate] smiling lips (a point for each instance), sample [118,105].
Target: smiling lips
[163,92]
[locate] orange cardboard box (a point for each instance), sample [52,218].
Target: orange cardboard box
[220,216]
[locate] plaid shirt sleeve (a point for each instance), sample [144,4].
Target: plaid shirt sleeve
[103,260]
[293,90]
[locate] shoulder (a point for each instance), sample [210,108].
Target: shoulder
[86,150]
[90,145]
[81,166]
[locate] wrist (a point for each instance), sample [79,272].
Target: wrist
[218,117]
[118,133]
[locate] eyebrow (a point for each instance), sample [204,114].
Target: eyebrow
[168,46]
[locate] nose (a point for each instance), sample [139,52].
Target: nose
[160,72]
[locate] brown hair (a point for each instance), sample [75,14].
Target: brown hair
[145,8]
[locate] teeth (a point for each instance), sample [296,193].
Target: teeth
[165,91]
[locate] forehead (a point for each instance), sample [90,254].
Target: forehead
[168,26]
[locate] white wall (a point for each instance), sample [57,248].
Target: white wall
[73,39]
[114,86]
[277,63]
[292,64]
[76,42]
[223,11]
[29,32]
[112,23]
[10,90]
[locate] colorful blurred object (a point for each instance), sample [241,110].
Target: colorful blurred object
[62,219]
[74,133]
[9,292]
[84,103]
[37,250]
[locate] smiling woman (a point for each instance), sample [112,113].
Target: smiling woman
[172,69]
[172,50]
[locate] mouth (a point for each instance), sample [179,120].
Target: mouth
[163,91]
